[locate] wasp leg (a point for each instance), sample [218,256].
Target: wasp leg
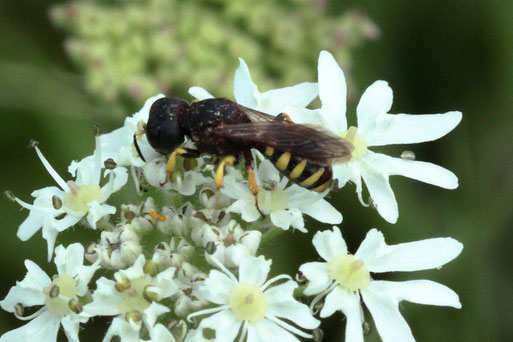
[228,160]
[252,182]
[283,117]
[171,163]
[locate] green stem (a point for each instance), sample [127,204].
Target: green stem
[270,235]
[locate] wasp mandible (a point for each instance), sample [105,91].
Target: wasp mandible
[223,128]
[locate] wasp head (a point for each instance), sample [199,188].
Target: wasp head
[163,130]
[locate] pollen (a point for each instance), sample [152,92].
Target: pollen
[358,141]
[247,302]
[349,272]
[79,196]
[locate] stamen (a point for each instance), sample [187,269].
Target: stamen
[287,326]
[275,279]
[31,317]
[10,195]
[225,270]
[318,298]
[206,312]
[51,170]
[97,161]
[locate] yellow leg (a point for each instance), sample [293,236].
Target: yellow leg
[252,183]
[228,160]
[171,163]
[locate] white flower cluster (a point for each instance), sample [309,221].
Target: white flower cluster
[183,264]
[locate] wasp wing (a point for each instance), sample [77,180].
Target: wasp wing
[254,115]
[303,141]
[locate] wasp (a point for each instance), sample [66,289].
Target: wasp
[228,130]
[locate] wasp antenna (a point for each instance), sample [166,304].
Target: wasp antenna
[137,145]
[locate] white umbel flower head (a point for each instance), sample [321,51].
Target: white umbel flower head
[271,102]
[58,208]
[376,128]
[58,296]
[285,205]
[133,298]
[251,305]
[343,278]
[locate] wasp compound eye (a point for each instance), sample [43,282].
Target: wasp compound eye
[163,130]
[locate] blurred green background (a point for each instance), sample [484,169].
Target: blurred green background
[437,56]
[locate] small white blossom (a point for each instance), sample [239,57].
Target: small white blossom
[285,205]
[232,243]
[271,102]
[251,305]
[117,249]
[172,254]
[138,217]
[56,209]
[376,128]
[185,178]
[133,298]
[188,279]
[343,278]
[58,296]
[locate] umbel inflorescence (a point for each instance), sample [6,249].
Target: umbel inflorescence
[183,264]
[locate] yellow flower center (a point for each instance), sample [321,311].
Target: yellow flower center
[358,141]
[66,291]
[273,200]
[248,302]
[349,272]
[78,197]
[132,299]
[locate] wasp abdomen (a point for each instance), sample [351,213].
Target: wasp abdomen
[308,174]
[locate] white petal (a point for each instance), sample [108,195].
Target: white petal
[380,190]
[31,225]
[411,256]
[265,331]
[318,277]
[254,270]
[282,304]
[281,219]
[352,308]
[161,333]
[71,325]
[409,129]
[329,243]
[97,211]
[69,259]
[224,323]
[200,93]
[335,300]
[322,211]
[152,312]
[216,287]
[164,281]
[306,116]
[36,277]
[375,102]
[105,299]
[244,90]
[332,92]
[348,172]
[246,208]
[120,327]
[418,291]
[267,172]
[277,100]
[418,170]
[390,324]
[43,328]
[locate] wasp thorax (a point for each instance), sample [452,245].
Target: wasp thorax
[163,129]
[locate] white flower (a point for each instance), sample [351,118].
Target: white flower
[376,128]
[58,296]
[232,243]
[119,144]
[188,279]
[271,102]
[285,205]
[185,178]
[250,304]
[56,209]
[344,277]
[133,298]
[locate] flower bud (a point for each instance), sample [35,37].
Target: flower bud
[149,295]
[317,335]
[10,195]
[56,202]
[408,155]
[150,268]
[122,285]
[75,306]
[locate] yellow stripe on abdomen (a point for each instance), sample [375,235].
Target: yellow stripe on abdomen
[298,170]
[283,161]
[312,179]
